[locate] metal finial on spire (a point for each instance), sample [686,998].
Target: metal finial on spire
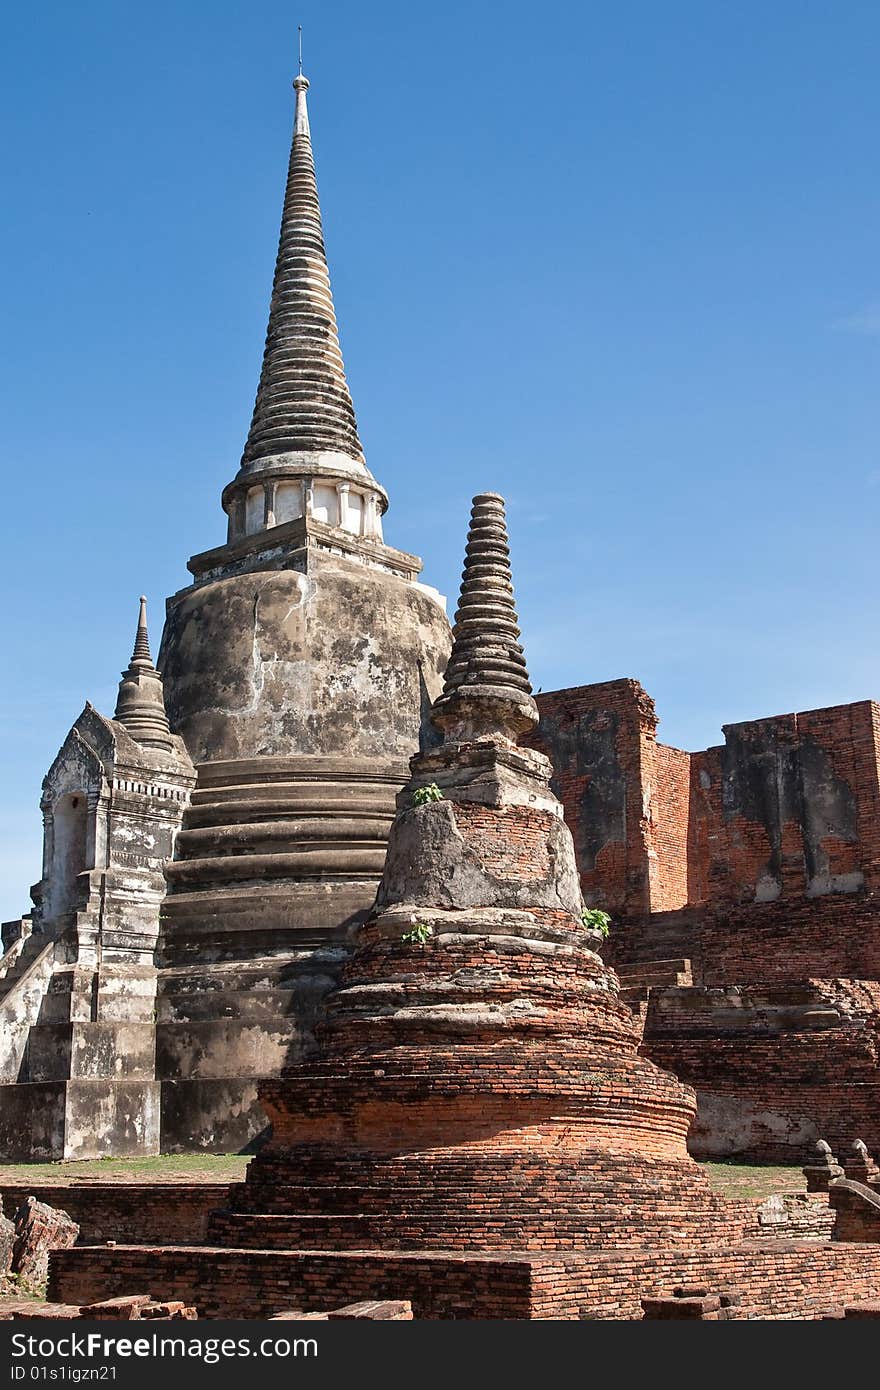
[301,86]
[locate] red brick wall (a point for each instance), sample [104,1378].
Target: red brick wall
[707,839]
[795,939]
[871,836]
[787,806]
[668,839]
[778,1279]
[770,1118]
[254,1284]
[776,1065]
[142,1213]
[595,736]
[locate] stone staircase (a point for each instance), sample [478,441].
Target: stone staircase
[856,1206]
[655,952]
[25,976]
[637,981]
[17,961]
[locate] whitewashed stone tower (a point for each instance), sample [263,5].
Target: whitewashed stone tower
[295,675]
[299,667]
[78,996]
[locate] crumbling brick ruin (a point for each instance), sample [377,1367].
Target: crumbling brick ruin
[743,883]
[317,872]
[479,1133]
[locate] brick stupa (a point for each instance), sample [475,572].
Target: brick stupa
[480,1088]
[479,1134]
[480,1085]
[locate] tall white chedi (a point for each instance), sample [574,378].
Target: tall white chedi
[299,667]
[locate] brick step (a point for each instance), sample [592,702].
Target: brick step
[636,953]
[243,1003]
[636,999]
[779,1279]
[282,971]
[683,917]
[342,775]
[257,1200]
[359,1169]
[661,937]
[223,910]
[469,1230]
[642,974]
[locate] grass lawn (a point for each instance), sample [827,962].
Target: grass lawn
[730,1179]
[741,1182]
[166,1168]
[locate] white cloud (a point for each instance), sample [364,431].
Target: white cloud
[866,321]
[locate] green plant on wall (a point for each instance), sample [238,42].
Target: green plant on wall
[594,919]
[418,934]
[422,795]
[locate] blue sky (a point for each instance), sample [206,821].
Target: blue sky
[617,261]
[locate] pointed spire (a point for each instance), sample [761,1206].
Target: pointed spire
[487,691]
[303,402]
[140,705]
[141,654]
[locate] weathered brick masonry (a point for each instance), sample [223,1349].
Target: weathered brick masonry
[139,1213]
[786,807]
[793,939]
[752,870]
[782,1279]
[597,738]
[479,1132]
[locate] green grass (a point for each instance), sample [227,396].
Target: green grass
[734,1180]
[195,1167]
[743,1182]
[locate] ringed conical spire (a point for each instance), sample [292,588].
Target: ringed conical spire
[140,705]
[487,689]
[303,402]
[141,653]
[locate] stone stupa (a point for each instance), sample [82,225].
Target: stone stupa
[295,673]
[299,668]
[78,998]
